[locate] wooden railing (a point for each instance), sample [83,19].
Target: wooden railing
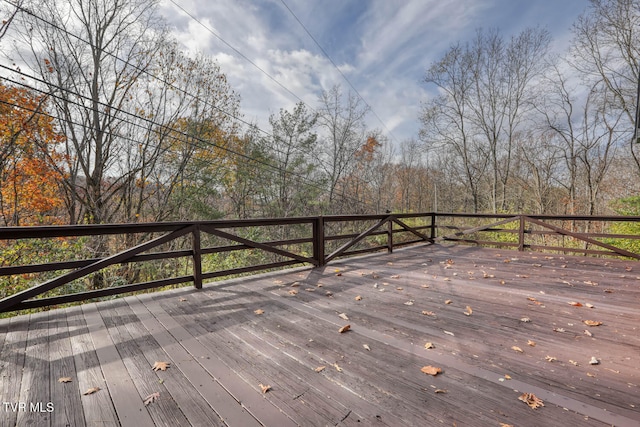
[315,241]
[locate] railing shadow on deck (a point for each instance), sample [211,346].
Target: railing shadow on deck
[316,241]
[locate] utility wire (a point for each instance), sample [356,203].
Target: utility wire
[337,68]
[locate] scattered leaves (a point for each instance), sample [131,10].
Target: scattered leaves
[428,313]
[395,276]
[161,366]
[469,311]
[575,304]
[338,368]
[592,323]
[589,305]
[449,333]
[91,390]
[344,329]
[151,398]
[507,376]
[439,390]
[558,330]
[429,346]
[358,298]
[531,400]
[293,291]
[525,320]
[531,299]
[608,291]
[587,333]
[448,301]
[259,311]
[343,316]
[531,343]
[64,380]
[320,368]
[431,370]
[182,299]
[550,358]
[366,347]
[399,288]
[573,362]
[264,388]
[409,302]
[517,349]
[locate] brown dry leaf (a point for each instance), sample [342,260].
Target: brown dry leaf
[575,304]
[506,261]
[410,302]
[320,368]
[448,301]
[449,333]
[293,291]
[399,288]
[589,305]
[531,299]
[439,390]
[531,343]
[592,323]
[608,291]
[258,311]
[450,262]
[469,311]
[151,398]
[550,358]
[589,374]
[338,368]
[395,276]
[531,400]
[429,346]
[344,329]
[358,298]
[343,316]
[506,425]
[573,362]
[518,349]
[161,366]
[446,279]
[424,286]
[587,333]
[525,320]
[558,330]
[264,388]
[329,293]
[428,313]
[431,370]
[91,390]
[507,376]
[64,379]
[183,299]
[366,347]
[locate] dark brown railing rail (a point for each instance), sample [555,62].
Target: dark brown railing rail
[315,241]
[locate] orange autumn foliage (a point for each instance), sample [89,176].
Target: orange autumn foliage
[30,165]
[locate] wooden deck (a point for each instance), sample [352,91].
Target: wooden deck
[480,304]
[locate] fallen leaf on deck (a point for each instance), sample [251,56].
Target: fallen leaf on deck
[446,279]
[161,366]
[531,299]
[429,346]
[589,282]
[589,374]
[518,349]
[592,323]
[258,311]
[550,358]
[558,330]
[366,347]
[573,362]
[399,288]
[293,291]
[608,291]
[589,305]
[575,304]
[450,261]
[531,343]
[428,313]
[448,301]
[431,370]
[439,390]
[182,299]
[507,377]
[91,390]
[343,316]
[424,286]
[338,368]
[525,320]
[64,379]
[594,361]
[151,398]
[358,298]
[395,276]
[469,311]
[320,368]
[329,293]
[506,425]
[449,333]
[531,400]
[506,261]
[587,333]
[310,289]
[408,303]
[338,274]
[487,276]
[344,329]
[264,388]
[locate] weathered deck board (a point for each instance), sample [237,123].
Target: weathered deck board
[220,350]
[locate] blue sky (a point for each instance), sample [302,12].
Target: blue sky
[382,46]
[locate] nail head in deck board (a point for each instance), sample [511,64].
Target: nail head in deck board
[35,379]
[99,409]
[127,402]
[242,392]
[65,397]
[175,385]
[164,411]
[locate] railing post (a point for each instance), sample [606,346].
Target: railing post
[389,235]
[318,240]
[521,234]
[433,226]
[197,258]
